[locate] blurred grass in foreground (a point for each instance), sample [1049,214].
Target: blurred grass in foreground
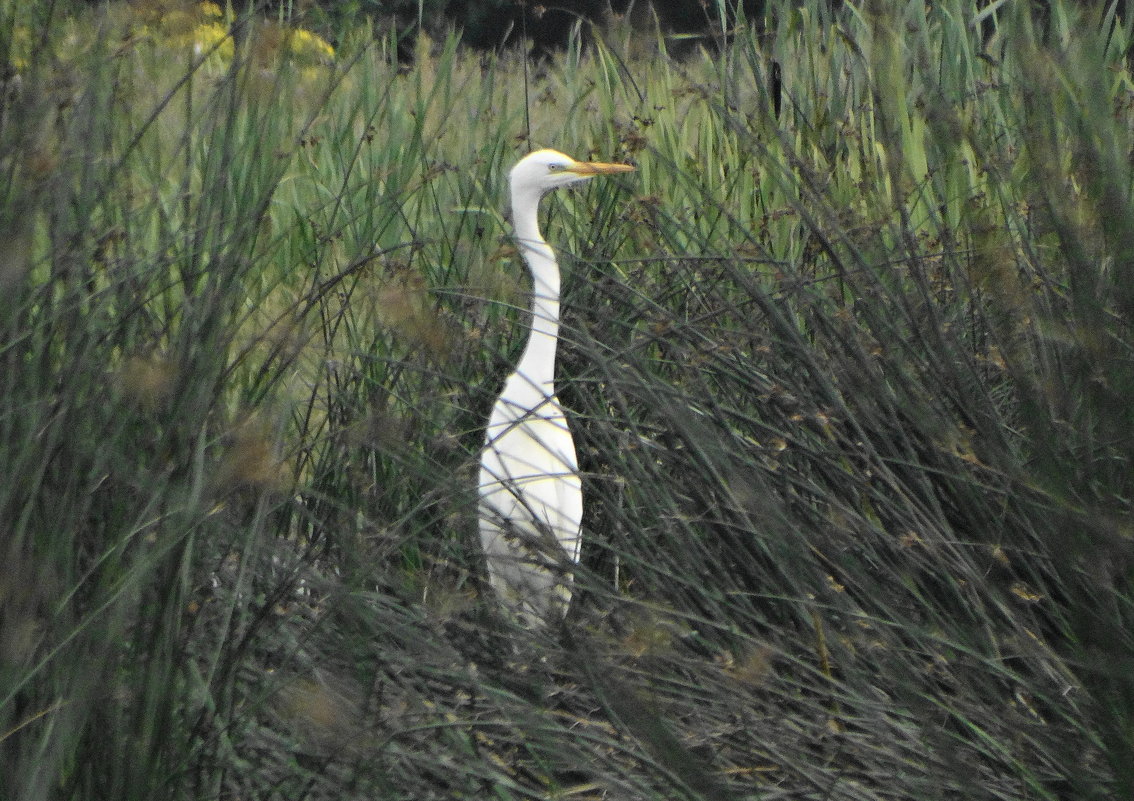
[850,386]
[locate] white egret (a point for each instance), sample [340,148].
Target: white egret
[531,501]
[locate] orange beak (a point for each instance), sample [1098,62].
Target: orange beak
[589,168]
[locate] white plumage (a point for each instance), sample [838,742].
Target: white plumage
[531,501]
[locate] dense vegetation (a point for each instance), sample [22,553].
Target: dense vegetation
[851,385]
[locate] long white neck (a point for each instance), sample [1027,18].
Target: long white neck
[536,368]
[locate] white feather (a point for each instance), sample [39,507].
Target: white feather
[531,501]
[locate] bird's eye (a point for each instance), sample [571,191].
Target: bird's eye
[555,167]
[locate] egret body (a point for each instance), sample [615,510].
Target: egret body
[531,501]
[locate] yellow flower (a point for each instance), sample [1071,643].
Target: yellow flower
[212,35]
[208,39]
[310,47]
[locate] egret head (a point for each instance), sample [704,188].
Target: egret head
[540,172]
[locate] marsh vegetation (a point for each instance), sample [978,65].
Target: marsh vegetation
[849,378]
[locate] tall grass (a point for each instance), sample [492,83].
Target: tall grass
[849,385]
